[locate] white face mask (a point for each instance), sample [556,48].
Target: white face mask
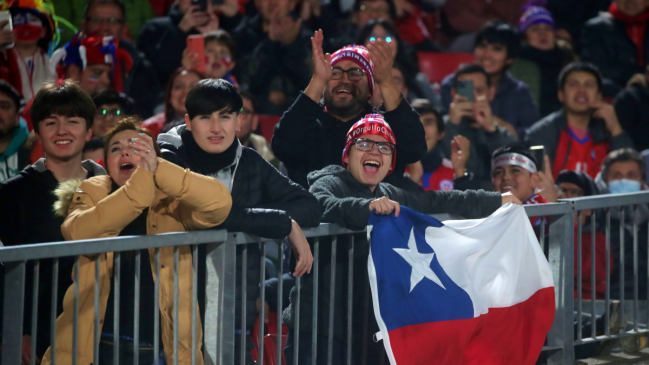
[624,186]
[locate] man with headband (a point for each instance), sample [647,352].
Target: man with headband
[310,136]
[513,170]
[348,194]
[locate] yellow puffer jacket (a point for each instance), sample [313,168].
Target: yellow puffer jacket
[178,200]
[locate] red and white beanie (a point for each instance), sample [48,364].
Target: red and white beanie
[372,124]
[361,56]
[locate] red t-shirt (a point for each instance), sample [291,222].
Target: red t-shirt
[535,199]
[579,154]
[440,179]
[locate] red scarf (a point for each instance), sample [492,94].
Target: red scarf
[635,29]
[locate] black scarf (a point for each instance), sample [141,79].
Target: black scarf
[208,163]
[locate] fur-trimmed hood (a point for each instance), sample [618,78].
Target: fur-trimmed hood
[65,192]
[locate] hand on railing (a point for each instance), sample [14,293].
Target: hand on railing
[508,197]
[385,206]
[301,250]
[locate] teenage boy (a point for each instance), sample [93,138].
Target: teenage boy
[63,116]
[496,47]
[475,121]
[265,202]
[348,194]
[580,135]
[310,136]
[15,141]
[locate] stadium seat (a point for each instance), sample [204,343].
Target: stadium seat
[270,349]
[267,124]
[437,65]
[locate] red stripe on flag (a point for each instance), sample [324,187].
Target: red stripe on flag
[504,336]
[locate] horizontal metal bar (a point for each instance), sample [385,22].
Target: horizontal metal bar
[615,336]
[538,210]
[609,200]
[324,229]
[114,244]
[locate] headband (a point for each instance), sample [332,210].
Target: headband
[515,159]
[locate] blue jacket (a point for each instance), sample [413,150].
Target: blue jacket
[513,102]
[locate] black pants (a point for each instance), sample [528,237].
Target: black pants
[127,352]
[374,355]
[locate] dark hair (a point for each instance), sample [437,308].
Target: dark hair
[581,179]
[126,104]
[622,155]
[212,95]
[224,38]
[580,67]
[248,95]
[94,144]
[393,8]
[65,99]
[406,60]
[470,68]
[11,93]
[90,3]
[515,148]
[423,106]
[127,124]
[499,33]
[170,113]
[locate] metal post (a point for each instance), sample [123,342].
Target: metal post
[244,307]
[280,306]
[12,326]
[53,310]
[75,314]
[350,298]
[561,257]
[332,297]
[97,292]
[593,274]
[156,309]
[579,277]
[194,302]
[34,331]
[136,310]
[296,328]
[262,287]
[117,269]
[314,324]
[176,303]
[635,268]
[607,311]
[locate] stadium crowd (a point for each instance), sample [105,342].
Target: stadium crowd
[155,109]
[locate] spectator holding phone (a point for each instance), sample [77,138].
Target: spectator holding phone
[217,59]
[579,136]
[26,65]
[470,116]
[164,39]
[495,49]
[180,82]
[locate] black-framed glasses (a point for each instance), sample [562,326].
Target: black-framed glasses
[366,145]
[109,112]
[99,20]
[354,74]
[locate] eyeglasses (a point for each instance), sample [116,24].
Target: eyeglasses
[571,193]
[365,8]
[366,145]
[109,112]
[99,20]
[354,74]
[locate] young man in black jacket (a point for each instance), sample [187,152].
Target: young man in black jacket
[310,136]
[348,194]
[265,202]
[63,116]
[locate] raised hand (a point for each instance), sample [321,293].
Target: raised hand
[605,111]
[321,61]
[193,19]
[546,182]
[382,56]
[6,36]
[143,146]
[460,153]
[483,114]
[460,107]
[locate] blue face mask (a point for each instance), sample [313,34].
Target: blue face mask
[623,186]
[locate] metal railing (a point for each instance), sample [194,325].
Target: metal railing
[224,251]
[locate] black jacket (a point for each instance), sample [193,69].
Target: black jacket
[547,132]
[142,83]
[26,203]
[632,109]
[346,203]
[307,138]
[604,42]
[264,202]
[163,42]
[266,66]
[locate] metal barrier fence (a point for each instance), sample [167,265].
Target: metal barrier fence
[224,251]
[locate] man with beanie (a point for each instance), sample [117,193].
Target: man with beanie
[348,194]
[575,184]
[616,42]
[310,136]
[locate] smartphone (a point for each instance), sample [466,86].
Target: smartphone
[539,154]
[202,4]
[465,88]
[196,44]
[6,15]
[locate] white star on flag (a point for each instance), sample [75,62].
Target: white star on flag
[420,263]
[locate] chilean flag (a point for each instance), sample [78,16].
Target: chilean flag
[460,292]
